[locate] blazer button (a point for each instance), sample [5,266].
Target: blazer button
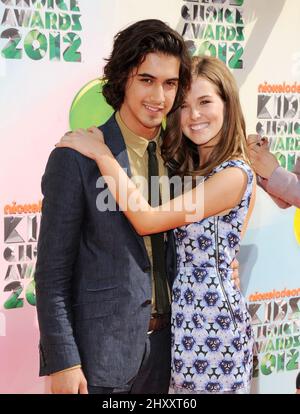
[147,269]
[146,303]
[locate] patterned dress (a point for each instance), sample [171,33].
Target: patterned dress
[212,338]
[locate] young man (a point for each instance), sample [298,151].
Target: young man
[101,330]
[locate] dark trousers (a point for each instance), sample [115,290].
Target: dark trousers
[153,376]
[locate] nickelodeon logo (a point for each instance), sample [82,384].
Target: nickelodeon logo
[29,208]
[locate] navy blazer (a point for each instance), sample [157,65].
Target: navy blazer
[93,279]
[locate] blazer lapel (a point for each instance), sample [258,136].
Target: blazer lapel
[115,141]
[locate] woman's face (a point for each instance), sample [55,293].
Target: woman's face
[202,113]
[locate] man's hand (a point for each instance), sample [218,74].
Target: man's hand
[71,381]
[235,273]
[263,162]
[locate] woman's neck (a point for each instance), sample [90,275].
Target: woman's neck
[204,154]
[206,149]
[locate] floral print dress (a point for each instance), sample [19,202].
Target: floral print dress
[212,338]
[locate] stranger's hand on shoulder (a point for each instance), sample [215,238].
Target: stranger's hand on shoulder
[257,140]
[88,142]
[263,161]
[70,381]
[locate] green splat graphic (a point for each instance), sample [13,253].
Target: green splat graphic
[89,106]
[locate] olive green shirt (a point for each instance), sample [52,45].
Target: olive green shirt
[138,160]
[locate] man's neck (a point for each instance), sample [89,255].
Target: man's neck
[144,132]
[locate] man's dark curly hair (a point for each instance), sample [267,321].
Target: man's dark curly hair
[131,46]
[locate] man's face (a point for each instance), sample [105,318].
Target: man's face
[150,93]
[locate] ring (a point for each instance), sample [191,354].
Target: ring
[69,132]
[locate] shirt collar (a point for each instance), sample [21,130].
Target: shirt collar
[137,143]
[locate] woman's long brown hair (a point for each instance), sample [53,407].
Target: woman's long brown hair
[180,153]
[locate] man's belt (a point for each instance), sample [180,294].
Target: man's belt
[158,322]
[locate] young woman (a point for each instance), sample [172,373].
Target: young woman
[212,339]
